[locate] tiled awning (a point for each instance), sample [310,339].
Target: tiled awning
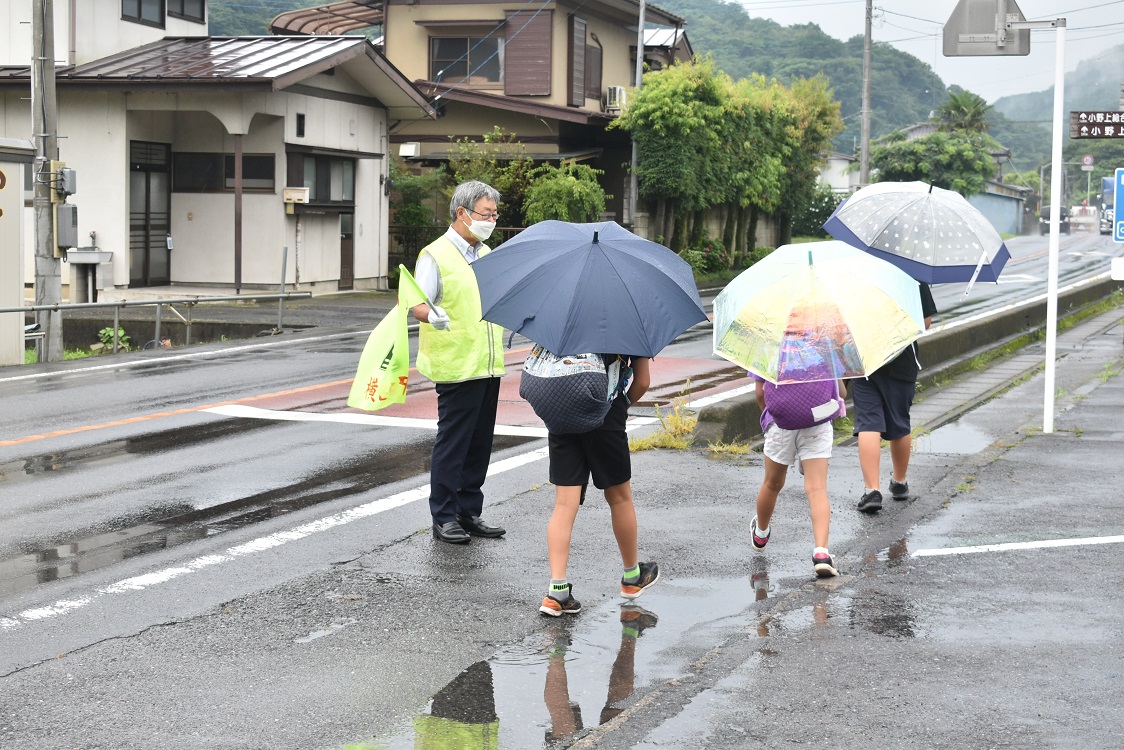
[332,18]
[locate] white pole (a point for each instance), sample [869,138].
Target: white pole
[633,179]
[1055,215]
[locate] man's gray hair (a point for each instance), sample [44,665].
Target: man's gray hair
[468,194]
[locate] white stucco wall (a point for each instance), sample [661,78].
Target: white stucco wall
[97,127]
[100,32]
[11,258]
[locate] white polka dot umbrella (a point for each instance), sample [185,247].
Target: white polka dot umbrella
[932,234]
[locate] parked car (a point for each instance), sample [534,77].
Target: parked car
[1044,221]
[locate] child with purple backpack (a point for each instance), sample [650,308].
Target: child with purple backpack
[796,421]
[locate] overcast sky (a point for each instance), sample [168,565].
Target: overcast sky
[915,26]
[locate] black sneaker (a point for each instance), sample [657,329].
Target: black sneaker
[558,607]
[870,502]
[899,490]
[823,565]
[649,574]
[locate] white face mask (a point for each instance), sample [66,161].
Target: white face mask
[481,230]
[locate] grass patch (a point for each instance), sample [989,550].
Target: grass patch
[30,358]
[676,427]
[734,449]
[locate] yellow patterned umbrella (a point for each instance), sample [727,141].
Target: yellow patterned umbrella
[816,311]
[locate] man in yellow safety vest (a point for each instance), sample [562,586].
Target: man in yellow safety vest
[463,356]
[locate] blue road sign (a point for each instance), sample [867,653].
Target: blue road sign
[1118,204]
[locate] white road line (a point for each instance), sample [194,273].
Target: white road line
[1019,545]
[253,412]
[181,357]
[149,580]
[1012,306]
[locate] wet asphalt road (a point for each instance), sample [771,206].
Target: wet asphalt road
[324,616]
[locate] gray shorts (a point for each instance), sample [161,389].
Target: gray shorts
[882,405]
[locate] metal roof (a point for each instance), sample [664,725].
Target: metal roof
[272,62]
[439,91]
[332,18]
[352,15]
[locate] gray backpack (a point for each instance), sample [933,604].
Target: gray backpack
[570,393]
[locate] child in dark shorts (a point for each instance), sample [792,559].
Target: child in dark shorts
[882,402]
[602,453]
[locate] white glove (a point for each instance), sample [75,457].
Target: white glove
[437,318]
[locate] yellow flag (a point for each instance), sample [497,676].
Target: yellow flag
[384,365]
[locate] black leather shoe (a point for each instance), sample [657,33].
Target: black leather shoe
[450,532]
[476,526]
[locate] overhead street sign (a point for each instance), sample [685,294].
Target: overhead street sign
[1085,124]
[974,29]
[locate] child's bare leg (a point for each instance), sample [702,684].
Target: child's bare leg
[900,451]
[870,458]
[771,486]
[815,486]
[560,527]
[623,512]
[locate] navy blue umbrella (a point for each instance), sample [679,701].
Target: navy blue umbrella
[577,288]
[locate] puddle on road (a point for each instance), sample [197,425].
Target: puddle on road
[581,672]
[955,437]
[180,523]
[117,450]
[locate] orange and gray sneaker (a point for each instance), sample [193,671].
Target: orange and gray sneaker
[649,574]
[555,607]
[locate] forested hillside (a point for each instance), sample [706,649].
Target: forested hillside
[903,89]
[241,18]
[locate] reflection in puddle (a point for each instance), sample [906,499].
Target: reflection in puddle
[954,437]
[565,670]
[175,524]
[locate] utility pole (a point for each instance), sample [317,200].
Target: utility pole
[44,123]
[634,181]
[864,154]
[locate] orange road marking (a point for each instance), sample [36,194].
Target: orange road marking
[190,409]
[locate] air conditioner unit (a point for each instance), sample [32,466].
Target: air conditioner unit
[614,98]
[295,195]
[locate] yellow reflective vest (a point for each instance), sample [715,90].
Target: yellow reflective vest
[469,348]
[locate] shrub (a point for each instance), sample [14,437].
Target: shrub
[808,221]
[105,335]
[568,192]
[709,257]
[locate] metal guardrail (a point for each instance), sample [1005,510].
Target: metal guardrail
[191,302]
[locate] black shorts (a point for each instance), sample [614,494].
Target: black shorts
[882,405]
[602,452]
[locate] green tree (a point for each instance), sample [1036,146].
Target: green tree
[816,122]
[963,112]
[499,160]
[415,198]
[568,192]
[956,161]
[673,120]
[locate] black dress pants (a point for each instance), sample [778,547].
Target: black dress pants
[466,423]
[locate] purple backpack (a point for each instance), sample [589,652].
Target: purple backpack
[794,406]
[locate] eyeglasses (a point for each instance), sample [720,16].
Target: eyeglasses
[494,216]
